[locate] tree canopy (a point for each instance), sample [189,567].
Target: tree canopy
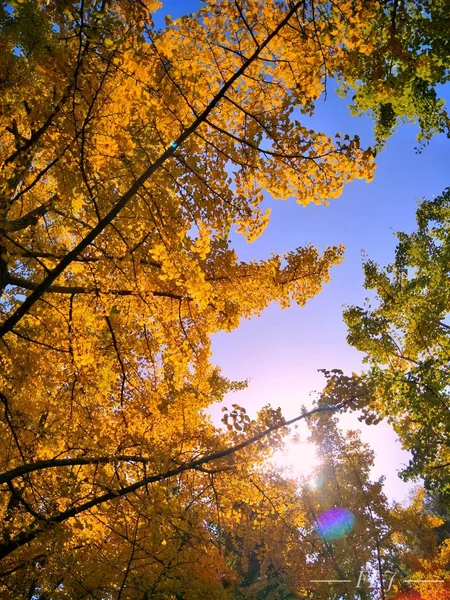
[128,154]
[395,77]
[406,341]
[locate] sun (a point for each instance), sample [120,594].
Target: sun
[298,459]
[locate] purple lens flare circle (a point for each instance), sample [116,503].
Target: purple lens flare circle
[335,524]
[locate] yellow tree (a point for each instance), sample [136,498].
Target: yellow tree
[127,156]
[423,558]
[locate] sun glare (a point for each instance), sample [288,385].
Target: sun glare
[298,458]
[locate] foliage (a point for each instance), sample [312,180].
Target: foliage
[424,552]
[124,170]
[343,480]
[406,341]
[128,155]
[395,74]
[279,553]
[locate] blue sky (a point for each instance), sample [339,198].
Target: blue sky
[281,351]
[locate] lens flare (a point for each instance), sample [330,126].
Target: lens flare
[320,480]
[335,524]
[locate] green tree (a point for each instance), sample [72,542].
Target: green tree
[394,76]
[405,337]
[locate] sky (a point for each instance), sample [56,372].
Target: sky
[281,351]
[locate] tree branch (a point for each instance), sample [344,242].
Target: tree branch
[68,289]
[30,218]
[69,462]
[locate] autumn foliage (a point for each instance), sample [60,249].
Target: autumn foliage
[128,154]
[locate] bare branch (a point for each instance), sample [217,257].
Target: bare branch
[53,463]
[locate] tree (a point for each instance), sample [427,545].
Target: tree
[128,155]
[394,76]
[261,538]
[123,172]
[278,549]
[360,552]
[423,548]
[405,338]
[385,548]
[135,536]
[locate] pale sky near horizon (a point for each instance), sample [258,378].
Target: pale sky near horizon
[281,351]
